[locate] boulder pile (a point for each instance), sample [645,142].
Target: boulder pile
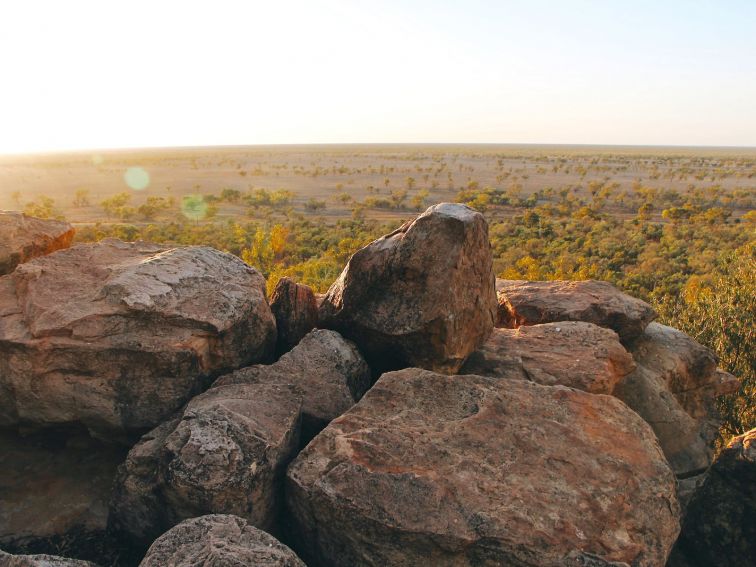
[420,413]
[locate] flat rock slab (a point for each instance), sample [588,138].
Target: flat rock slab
[224,453]
[429,469]
[8,560]
[575,354]
[420,296]
[54,492]
[720,525]
[118,336]
[218,541]
[529,303]
[328,369]
[23,238]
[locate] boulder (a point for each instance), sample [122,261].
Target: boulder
[23,238]
[329,371]
[720,525]
[218,540]
[674,388]
[571,353]
[429,469]
[528,303]
[8,560]
[118,336]
[54,492]
[296,312]
[420,296]
[224,453]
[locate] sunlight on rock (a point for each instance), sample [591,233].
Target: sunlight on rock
[137,178]
[194,207]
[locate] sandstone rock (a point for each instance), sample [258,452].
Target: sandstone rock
[674,388]
[329,371]
[23,238]
[54,492]
[225,453]
[118,336]
[528,303]
[441,470]
[575,354]
[218,540]
[422,295]
[296,312]
[720,526]
[7,560]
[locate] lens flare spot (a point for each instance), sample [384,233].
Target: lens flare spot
[194,207]
[97,159]
[137,178]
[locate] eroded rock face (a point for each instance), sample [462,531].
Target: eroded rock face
[218,540]
[224,453]
[529,303]
[674,388]
[720,526]
[8,560]
[329,371]
[441,470]
[54,492]
[117,336]
[575,354]
[296,312]
[420,296]
[23,238]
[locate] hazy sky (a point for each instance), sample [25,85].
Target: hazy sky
[79,74]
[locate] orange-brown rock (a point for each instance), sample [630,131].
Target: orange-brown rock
[720,525]
[674,388]
[218,541]
[296,312]
[118,336]
[571,353]
[429,469]
[329,371]
[23,238]
[420,296]
[224,453]
[529,303]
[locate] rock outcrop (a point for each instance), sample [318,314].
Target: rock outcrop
[529,303]
[118,336]
[575,354]
[54,493]
[674,388]
[296,312]
[720,525]
[8,560]
[420,296]
[23,238]
[218,540]
[429,469]
[329,371]
[224,453]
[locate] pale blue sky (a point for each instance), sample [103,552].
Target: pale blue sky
[92,74]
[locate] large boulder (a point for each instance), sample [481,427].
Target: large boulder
[296,311]
[674,388]
[429,469]
[43,560]
[575,354]
[528,303]
[23,238]
[218,540]
[420,296]
[329,371]
[54,492]
[224,453]
[720,525]
[118,336]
